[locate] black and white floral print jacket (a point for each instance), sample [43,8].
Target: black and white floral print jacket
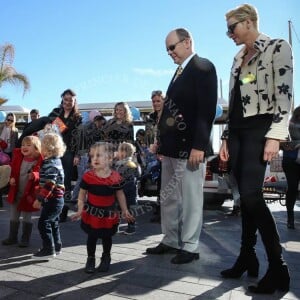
[266,83]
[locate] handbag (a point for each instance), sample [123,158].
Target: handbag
[3,144]
[4,158]
[60,124]
[219,166]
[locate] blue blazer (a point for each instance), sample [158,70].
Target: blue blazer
[189,110]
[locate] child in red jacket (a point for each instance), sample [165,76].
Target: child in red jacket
[24,179]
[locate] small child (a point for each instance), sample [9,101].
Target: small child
[129,170]
[50,196]
[99,217]
[24,180]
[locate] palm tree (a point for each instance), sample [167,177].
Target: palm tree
[2,100]
[8,73]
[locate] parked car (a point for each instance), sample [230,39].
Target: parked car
[216,189]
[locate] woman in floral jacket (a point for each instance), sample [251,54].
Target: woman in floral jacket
[261,93]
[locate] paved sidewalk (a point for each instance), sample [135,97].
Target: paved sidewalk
[134,275]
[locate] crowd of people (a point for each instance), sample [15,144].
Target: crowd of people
[107,161]
[55,150]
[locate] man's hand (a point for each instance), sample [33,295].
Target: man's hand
[196,157]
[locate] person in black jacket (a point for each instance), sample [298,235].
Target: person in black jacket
[157,99]
[291,166]
[67,118]
[184,131]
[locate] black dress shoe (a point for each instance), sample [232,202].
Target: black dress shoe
[161,249]
[184,257]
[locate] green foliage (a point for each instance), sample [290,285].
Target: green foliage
[8,74]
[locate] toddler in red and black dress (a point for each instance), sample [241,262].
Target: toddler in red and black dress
[96,204]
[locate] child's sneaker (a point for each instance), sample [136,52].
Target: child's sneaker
[44,254]
[105,263]
[130,229]
[58,250]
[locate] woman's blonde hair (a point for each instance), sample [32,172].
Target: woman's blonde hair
[53,144]
[34,140]
[243,12]
[128,115]
[12,124]
[128,148]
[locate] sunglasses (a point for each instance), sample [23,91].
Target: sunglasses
[9,120]
[231,28]
[172,47]
[156,93]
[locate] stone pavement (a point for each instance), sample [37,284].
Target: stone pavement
[134,275]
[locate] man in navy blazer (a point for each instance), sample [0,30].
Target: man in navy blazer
[184,131]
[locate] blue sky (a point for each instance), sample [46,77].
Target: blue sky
[110,51]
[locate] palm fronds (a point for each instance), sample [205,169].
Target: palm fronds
[8,73]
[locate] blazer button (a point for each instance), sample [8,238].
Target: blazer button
[170,121]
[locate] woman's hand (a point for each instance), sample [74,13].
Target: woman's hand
[271,149]
[12,181]
[76,160]
[153,148]
[224,155]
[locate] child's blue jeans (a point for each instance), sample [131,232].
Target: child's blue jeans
[48,223]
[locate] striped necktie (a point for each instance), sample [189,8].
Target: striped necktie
[178,72]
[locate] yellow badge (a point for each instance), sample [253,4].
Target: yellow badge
[249,78]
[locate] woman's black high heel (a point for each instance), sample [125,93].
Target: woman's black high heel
[290,225]
[290,219]
[244,263]
[275,279]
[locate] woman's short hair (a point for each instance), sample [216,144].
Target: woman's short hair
[53,144]
[244,12]
[157,93]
